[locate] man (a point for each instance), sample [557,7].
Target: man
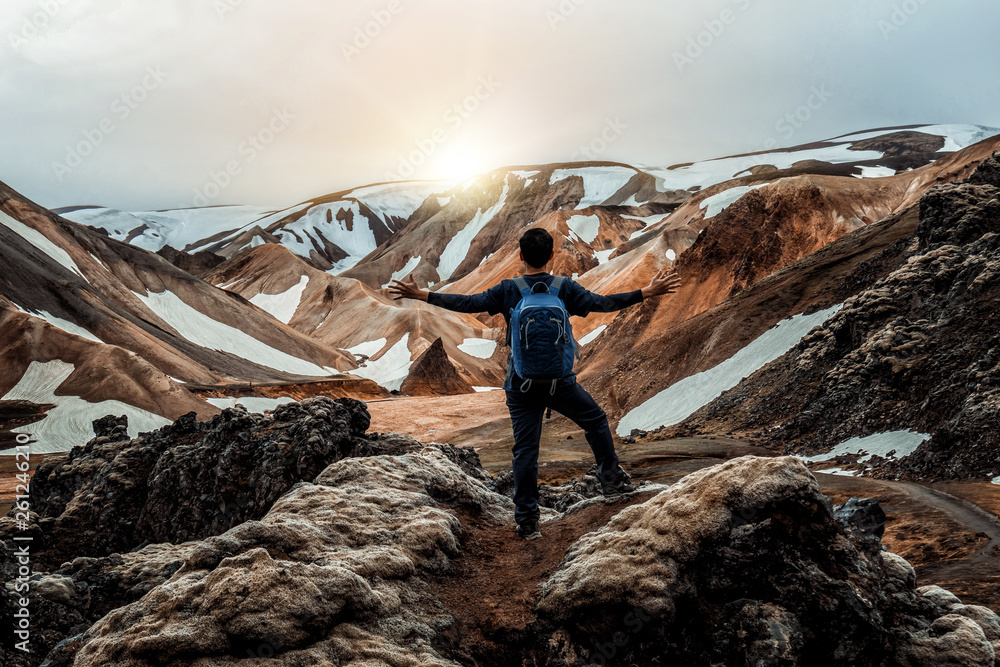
[527,401]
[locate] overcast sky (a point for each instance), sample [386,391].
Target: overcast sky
[138,105]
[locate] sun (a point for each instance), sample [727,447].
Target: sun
[458,163]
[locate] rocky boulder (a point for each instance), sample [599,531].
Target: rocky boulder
[191,479]
[745,563]
[742,563]
[337,572]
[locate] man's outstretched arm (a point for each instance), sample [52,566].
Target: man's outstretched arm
[490,301]
[407,290]
[662,283]
[582,302]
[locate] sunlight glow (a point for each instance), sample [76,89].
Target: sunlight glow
[457,163]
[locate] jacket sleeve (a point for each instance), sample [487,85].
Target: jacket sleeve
[491,301]
[582,302]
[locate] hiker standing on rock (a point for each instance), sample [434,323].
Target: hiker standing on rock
[540,374]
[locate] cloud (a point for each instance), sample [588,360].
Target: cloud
[366,81]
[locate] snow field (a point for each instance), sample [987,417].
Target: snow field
[69,423]
[389,370]
[251,403]
[368,349]
[592,335]
[41,242]
[681,399]
[202,330]
[299,236]
[481,348]
[599,183]
[282,306]
[901,443]
[458,247]
[876,172]
[711,172]
[584,227]
[718,203]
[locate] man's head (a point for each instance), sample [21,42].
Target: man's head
[536,247]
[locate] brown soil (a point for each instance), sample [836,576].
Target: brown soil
[492,587]
[10,468]
[345,386]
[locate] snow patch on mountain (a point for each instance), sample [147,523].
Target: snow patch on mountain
[41,242]
[589,338]
[251,403]
[681,399]
[357,239]
[69,423]
[64,325]
[411,264]
[875,172]
[599,183]
[389,370]
[891,444]
[367,349]
[482,348]
[957,136]
[602,256]
[527,176]
[178,228]
[398,200]
[202,330]
[711,172]
[458,247]
[718,203]
[282,306]
[584,227]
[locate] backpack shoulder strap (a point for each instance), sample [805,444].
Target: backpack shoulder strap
[556,283]
[522,285]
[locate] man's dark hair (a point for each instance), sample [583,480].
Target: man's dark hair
[536,246]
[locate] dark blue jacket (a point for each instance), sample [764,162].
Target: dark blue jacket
[501,299]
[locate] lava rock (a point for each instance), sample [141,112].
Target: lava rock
[190,480]
[863,516]
[745,563]
[114,428]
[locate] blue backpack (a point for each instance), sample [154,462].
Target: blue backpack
[541,340]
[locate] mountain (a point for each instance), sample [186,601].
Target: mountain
[332,232]
[911,355]
[386,336]
[92,325]
[299,291]
[757,239]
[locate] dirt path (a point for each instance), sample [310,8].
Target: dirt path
[492,588]
[969,515]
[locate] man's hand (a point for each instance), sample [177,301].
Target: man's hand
[408,290]
[662,283]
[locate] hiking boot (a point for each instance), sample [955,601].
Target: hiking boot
[528,529]
[617,483]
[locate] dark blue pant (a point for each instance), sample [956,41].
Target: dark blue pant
[526,412]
